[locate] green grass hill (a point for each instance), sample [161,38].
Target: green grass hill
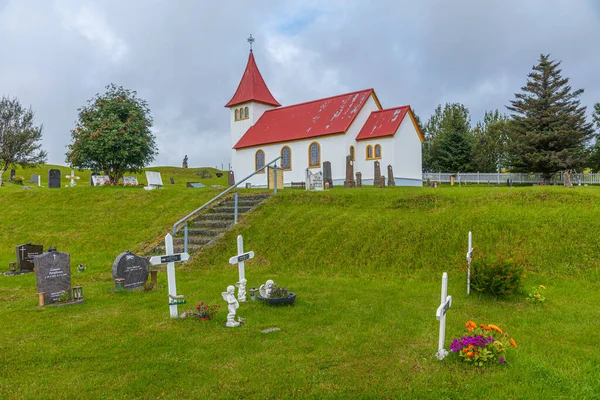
[366,265]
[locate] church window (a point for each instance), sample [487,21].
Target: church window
[245,112]
[369,152]
[352,153]
[237,114]
[259,161]
[314,155]
[286,158]
[377,151]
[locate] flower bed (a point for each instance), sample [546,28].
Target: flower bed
[484,345]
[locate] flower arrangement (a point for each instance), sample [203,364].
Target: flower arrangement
[18,180]
[278,292]
[204,311]
[536,296]
[485,344]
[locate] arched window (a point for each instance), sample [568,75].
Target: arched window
[352,153]
[259,161]
[245,112]
[369,152]
[286,158]
[237,114]
[377,151]
[314,155]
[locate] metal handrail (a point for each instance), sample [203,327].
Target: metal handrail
[223,193]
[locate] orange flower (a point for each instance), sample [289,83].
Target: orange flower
[487,328]
[494,327]
[465,350]
[470,354]
[537,296]
[512,342]
[471,325]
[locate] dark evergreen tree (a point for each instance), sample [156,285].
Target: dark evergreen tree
[594,161]
[454,139]
[490,138]
[548,130]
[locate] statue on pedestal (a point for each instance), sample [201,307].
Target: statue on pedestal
[185,162]
[232,306]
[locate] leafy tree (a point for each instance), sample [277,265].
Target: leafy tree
[448,138]
[490,141]
[19,137]
[112,134]
[548,128]
[594,162]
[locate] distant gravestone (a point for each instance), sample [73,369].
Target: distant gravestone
[154,180]
[391,180]
[134,269]
[130,181]
[26,253]
[349,182]
[378,179]
[327,178]
[35,179]
[230,179]
[54,179]
[317,181]
[194,185]
[12,174]
[567,180]
[53,275]
[359,179]
[172,180]
[92,175]
[100,180]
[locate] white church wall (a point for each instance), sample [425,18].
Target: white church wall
[367,167]
[408,169]
[238,128]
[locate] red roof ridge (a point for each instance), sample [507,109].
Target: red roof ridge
[322,99]
[252,87]
[390,109]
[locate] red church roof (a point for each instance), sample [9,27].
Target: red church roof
[386,123]
[252,87]
[306,120]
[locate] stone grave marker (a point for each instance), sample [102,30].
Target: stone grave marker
[35,179]
[230,179]
[314,181]
[327,178]
[172,180]
[54,179]
[194,185]
[391,180]
[25,255]
[359,179]
[440,315]
[134,269]
[130,181]
[154,180]
[378,179]
[100,180]
[53,275]
[349,182]
[92,175]
[12,175]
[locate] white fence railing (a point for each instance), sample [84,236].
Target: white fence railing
[504,177]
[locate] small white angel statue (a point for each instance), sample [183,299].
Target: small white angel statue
[265,290]
[232,306]
[241,285]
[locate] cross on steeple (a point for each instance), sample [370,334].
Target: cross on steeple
[250,40]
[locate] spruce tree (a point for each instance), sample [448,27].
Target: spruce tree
[548,130]
[454,139]
[594,161]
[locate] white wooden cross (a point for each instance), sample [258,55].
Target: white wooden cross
[440,315]
[72,177]
[469,258]
[170,259]
[239,260]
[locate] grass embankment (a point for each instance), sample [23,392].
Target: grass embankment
[366,265]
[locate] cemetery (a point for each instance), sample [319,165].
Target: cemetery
[386,283]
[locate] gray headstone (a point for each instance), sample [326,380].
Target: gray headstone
[134,269]
[25,254]
[230,179]
[54,179]
[130,181]
[327,179]
[92,175]
[34,179]
[349,182]
[391,180]
[12,174]
[194,185]
[99,180]
[172,180]
[359,179]
[53,275]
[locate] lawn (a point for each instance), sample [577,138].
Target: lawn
[366,265]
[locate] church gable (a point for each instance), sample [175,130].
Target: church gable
[386,123]
[306,120]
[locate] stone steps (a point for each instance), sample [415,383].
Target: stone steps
[207,228]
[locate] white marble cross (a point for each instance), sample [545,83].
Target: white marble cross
[72,177]
[440,315]
[469,258]
[170,259]
[239,260]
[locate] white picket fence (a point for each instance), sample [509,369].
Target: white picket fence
[502,178]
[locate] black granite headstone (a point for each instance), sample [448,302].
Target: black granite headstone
[53,275]
[12,174]
[327,179]
[172,180]
[25,254]
[54,179]
[134,269]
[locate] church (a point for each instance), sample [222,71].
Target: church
[306,135]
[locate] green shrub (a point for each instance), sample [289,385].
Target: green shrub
[18,180]
[497,276]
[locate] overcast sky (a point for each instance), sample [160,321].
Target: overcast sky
[186,57]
